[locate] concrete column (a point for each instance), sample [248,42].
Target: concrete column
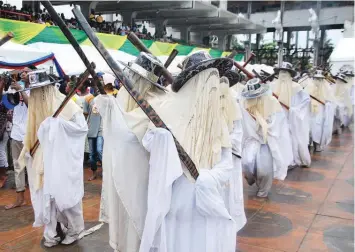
[159,28]
[280,54]
[248,48]
[35,5]
[221,41]
[185,34]
[223,4]
[86,7]
[258,39]
[127,17]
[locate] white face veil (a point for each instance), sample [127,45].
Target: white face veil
[197,118]
[285,88]
[320,89]
[42,103]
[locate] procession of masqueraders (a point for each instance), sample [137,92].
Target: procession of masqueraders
[231,127]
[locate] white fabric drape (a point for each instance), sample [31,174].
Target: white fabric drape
[299,124]
[298,116]
[200,216]
[278,148]
[343,100]
[322,116]
[63,167]
[126,165]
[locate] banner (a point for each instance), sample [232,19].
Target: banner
[28,33]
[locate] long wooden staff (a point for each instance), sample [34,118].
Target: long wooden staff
[48,6]
[132,37]
[81,82]
[171,57]
[142,103]
[8,37]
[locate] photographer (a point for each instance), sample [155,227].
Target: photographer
[17,135]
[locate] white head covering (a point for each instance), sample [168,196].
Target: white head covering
[285,88]
[196,115]
[42,103]
[320,89]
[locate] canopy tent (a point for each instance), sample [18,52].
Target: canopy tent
[72,64]
[343,54]
[14,56]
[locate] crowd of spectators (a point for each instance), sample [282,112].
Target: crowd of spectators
[96,21]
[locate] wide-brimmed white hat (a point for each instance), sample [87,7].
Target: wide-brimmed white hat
[286,66]
[254,88]
[146,66]
[319,74]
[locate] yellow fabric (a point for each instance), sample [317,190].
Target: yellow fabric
[42,103]
[320,89]
[161,48]
[92,17]
[342,94]
[285,88]
[23,31]
[195,117]
[110,41]
[261,108]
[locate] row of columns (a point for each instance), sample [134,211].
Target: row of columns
[223,39]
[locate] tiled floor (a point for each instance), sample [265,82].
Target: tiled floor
[312,210]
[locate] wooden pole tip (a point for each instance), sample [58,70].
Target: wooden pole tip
[10,34]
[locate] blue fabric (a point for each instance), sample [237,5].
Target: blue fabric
[35,62]
[96,146]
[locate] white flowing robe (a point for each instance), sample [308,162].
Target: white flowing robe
[298,116]
[344,103]
[186,216]
[262,161]
[322,116]
[299,124]
[126,166]
[62,143]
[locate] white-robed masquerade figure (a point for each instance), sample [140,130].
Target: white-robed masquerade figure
[183,214]
[322,116]
[297,100]
[125,160]
[348,71]
[55,171]
[344,106]
[267,146]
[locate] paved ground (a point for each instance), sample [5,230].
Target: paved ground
[312,210]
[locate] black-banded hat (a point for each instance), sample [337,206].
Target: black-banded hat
[200,61]
[318,74]
[341,76]
[148,67]
[348,70]
[36,79]
[254,89]
[286,66]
